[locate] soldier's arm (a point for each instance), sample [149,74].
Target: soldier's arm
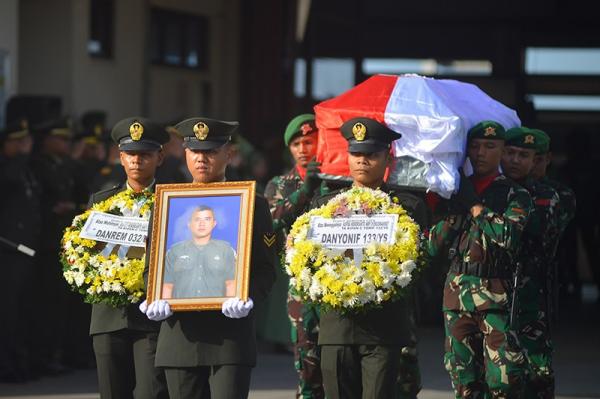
[505,229]
[264,258]
[285,208]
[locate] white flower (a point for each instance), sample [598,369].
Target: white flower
[403,279]
[79,279]
[379,296]
[408,266]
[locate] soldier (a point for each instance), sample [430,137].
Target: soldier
[63,196]
[537,252]
[124,340]
[289,196]
[362,354]
[21,220]
[480,238]
[212,352]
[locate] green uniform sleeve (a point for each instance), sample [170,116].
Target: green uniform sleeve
[285,207]
[264,258]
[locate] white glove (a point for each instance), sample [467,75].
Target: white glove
[143,307]
[158,310]
[235,308]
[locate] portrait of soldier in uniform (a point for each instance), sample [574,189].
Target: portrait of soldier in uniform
[201,266]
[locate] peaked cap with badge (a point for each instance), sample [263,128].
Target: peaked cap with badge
[15,130]
[524,137]
[367,135]
[490,130]
[62,127]
[139,134]
[302,124]
[204,133]
[93,125]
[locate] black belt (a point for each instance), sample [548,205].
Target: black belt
[480,270]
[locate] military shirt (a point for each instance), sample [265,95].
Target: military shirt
[491,239]
[389,325]
[199,270]
[287,200]
[567,202]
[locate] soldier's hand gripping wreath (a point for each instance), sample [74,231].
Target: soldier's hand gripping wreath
[312,179]
[466,197]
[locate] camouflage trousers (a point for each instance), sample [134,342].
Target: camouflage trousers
[307,354]
[482,355]
[534,337]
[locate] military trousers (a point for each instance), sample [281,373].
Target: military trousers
[125,361]
[305,319]
[482,355]
[534,337]
[360,371]
[209,382]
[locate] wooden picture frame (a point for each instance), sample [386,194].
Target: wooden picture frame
[188,269]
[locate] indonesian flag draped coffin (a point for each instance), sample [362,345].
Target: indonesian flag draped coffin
[432,115]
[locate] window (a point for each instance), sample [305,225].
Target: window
[562,61]
[426,66]
[100,43]
[556,102]
[331,77]
[178,39]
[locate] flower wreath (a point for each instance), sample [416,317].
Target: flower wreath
[99,276]
[328,277]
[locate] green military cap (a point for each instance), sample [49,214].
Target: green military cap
[542,139]
[302,124]
[93,125]
[205,133]
[490,130]
[367,135]
[139,134]
[15,130]
[525,137]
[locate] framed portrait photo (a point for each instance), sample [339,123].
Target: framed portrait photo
[200,244]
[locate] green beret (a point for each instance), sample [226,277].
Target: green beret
[367,135]
[139,134]
[302,124]
[525,137]
[487,130]
[15,130]
[542,139]
[204,133]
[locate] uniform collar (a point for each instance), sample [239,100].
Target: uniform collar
[148,188]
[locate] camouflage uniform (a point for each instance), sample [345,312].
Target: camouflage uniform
[537,252]
[288,200]
[482,354]
[567,203]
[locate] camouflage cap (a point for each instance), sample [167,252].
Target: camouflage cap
[490,130]
[302,124]
[525,137]
[204,133]
[15,130]
[367,135]
[139,134]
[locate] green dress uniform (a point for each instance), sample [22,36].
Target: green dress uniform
[289,196]
[206,351]
[482,354]
[199,270]
[21,223]
[124,340]
[372,354]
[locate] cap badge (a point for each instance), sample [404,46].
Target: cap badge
[305,129]
[98,130]
[529,139]
[359,131]
[489,131]
[136,130]
[201,130]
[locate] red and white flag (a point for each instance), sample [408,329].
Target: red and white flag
[432,115]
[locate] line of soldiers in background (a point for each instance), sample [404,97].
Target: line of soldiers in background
[47,173]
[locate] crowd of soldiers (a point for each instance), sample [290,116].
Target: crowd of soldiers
[497,239]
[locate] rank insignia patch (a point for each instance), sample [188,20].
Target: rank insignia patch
[269,239]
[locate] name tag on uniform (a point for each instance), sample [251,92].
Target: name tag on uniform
[122,230]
